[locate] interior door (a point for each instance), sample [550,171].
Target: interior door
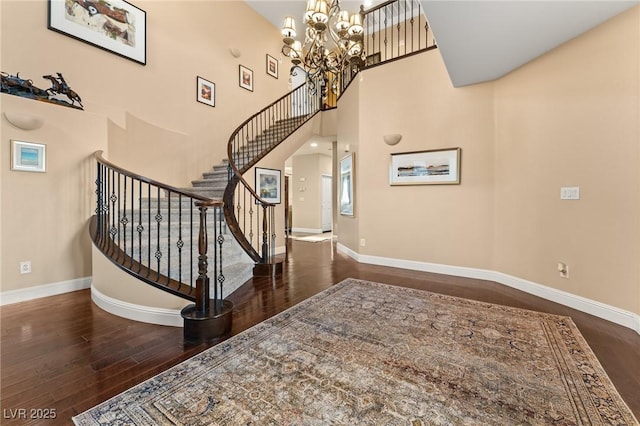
[327,204]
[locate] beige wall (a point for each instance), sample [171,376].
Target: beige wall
[571,118]
[134,113]
[182,43]
[447,224]
[45,215]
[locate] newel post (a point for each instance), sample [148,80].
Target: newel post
[202,283]
[208,318]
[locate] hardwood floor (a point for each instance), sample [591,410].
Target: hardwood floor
[62,355]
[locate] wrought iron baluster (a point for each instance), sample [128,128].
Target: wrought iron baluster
[140,227]
[149,231]
[168,236]
[158,218]
[132,221]
[124,220]
[265,235]
[220,238]
[180,243]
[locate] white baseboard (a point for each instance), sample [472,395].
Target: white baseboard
[281,250]
[46,290]
[307,230]
[135,312]
[601,310]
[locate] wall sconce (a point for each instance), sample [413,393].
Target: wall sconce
[392,139]
[235,52]
[23,121]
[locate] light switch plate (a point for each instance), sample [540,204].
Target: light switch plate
[570,193]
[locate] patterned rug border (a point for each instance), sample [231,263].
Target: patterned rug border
[240,340]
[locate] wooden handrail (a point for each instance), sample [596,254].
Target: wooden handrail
[251,153]
[150,230]
[209,201]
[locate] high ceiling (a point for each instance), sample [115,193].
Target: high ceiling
[484,40]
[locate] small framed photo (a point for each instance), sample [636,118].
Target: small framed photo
[113,25]
[272,66]
[28,156]
[206,92]
[246,78]
[268,184]
[347,199]
[433,167]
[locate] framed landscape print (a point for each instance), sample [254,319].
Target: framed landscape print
[113,25]
[438,166]
[206,92]
[268,184]
[346,185]
[272,66]
[246,78]
[28,156]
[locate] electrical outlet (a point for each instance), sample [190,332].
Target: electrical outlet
[363,242]
[563,270]
[25,267]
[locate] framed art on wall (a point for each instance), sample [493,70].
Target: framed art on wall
[432,167]
[272,66]
[246,78]
[268,184]
[28,156]
[346,185]
[114,25]
[206,92]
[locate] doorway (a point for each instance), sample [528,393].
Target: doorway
[327,203]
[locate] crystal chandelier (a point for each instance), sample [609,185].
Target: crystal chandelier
[332,42]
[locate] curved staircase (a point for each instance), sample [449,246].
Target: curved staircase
[184,241]
[203,242]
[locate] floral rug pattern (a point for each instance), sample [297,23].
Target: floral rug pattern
[363,353]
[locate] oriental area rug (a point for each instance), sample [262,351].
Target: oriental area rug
[363,353]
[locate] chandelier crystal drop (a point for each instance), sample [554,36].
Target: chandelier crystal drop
[332,43]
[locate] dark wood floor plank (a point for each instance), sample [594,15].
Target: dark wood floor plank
[64,352]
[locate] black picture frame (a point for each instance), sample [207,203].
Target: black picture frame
[116,26]
[205,91]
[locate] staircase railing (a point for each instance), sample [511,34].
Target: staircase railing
[395,29]
[249,216]
[392,30]
[163,236]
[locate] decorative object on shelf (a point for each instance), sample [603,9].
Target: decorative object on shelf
[347,176]
[115,25]
[392,139]
[206,91]
[437,166]
[272,66]
[332,43]
[18,86]
[268,185]
[28,156]
[59,86]
[246,78]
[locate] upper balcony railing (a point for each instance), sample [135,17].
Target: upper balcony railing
[392,30]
